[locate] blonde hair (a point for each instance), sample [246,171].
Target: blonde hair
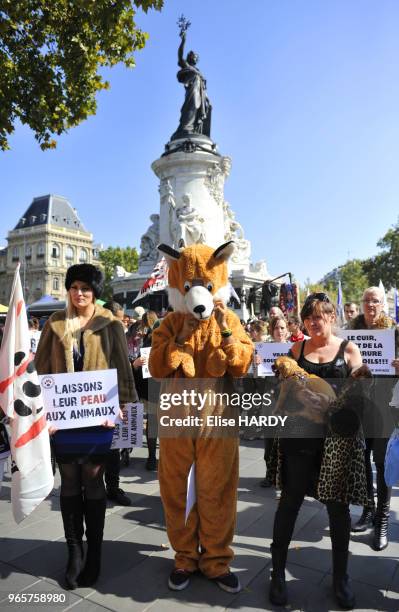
[377,290]
[72,326]
[149,319]
[259,326]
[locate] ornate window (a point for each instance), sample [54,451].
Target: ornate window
[41,249]
[28,252]
[55,251]
[15,253]
[70,253]
[83,256]
[56,283]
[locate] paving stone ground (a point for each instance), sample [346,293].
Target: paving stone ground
[137,558]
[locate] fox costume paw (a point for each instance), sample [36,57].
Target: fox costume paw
[217,363]
[181,356]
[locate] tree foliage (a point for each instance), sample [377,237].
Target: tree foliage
[310,287]
[116,256]
[353,281]
[356,275]
[50,56]
[385,265]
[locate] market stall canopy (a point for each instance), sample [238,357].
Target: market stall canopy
[45,299]
[46,305]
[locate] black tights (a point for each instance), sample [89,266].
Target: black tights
[383,491]
[369,475]
[299,471]
[87,478]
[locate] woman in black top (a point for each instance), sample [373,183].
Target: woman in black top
[303,460]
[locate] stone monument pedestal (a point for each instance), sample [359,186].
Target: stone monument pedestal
[191,189]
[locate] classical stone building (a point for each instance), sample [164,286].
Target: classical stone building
[47,239]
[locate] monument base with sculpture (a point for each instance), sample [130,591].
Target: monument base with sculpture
[192,207]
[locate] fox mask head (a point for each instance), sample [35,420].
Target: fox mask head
[198,276]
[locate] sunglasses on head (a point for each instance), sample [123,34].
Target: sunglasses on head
[322,297]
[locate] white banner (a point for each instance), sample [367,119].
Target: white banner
[157,281]
[21,400]
[80,399]
[268,352]
[129,433]
[377,347]
[145,352]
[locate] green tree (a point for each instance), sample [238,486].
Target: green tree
[50,56]
[385,265]
[320,287]
[117,256]
[353,281]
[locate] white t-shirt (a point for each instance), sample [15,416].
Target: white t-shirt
[34,339]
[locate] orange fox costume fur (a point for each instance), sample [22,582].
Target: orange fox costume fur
[197,276]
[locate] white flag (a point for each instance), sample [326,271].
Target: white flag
[384,297]
[340,306]
[21,400]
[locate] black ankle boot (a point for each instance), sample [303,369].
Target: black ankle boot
[380,539]
[341,584]
[72,516]
[278,588]
[366,520]
[94,512]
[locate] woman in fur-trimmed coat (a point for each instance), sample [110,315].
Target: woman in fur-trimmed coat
[84,337]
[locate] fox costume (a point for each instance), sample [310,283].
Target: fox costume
[198,277]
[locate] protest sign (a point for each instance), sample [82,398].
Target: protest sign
[80,399]
[129,433]
[377,348]
[268,352]
[145,352]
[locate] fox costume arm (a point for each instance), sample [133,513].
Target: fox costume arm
[166,356]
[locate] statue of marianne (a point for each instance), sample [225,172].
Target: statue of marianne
[195,114]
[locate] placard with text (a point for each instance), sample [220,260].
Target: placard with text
[377,347]
[80,399]
[268,352]
[129,433]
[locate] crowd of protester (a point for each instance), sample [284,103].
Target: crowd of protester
[297,467]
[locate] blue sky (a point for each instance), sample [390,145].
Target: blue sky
[305,97]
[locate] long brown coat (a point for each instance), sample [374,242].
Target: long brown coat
[104,348]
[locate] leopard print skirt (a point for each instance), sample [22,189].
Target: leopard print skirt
[342,476]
